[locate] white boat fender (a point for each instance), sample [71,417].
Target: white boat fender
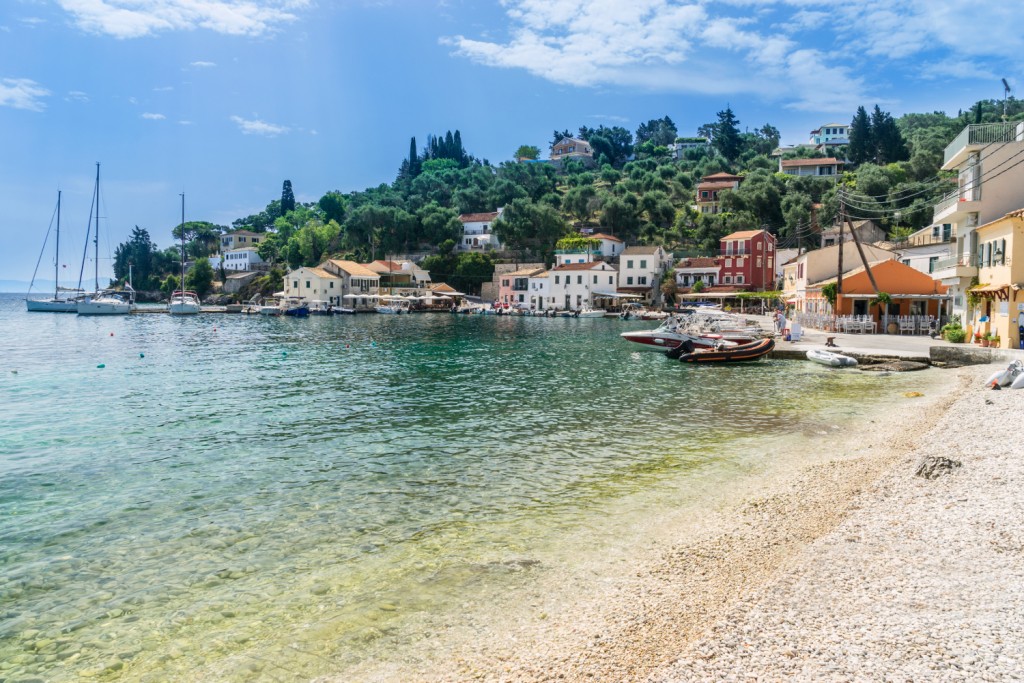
[1018,383]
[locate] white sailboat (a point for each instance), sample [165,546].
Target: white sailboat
[183,302]
[55,303]
[107,302]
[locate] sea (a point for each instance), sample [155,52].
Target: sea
[247,498]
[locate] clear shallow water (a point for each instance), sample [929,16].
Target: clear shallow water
[250,498]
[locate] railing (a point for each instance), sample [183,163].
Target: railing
[943,264]
[971,194]
[983,134]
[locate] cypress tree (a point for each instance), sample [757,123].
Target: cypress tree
[727,134]
[861,147]
[287,198]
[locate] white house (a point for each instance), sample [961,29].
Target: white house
[313,284]
[574,285]
[539,295]
[705,269]
[608,248]
[477,231]
[924,249]
[830,135]
[359,285]
[823,168]
[238,260]
[641,269]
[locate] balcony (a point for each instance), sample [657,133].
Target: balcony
[956,206]
[975,137]
[954,268]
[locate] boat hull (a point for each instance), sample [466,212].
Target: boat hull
[664,340]
[183,304]
[743,352]
[103,308]
[52,305]
[832,360]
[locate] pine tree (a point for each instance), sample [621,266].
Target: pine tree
[287,198]
[727,135]
[861,147]
[414,159]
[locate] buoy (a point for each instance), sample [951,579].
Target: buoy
[101,365]
[373,343]
[14,372]
[142,355]
[284,353]
[111,334]
[346,346]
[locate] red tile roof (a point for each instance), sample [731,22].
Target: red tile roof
[742,235]
[716,186]
[579,266]
[792,163]
[699,262]
[602,236]
[478,217]
[722,176]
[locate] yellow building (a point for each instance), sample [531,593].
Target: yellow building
[998,300]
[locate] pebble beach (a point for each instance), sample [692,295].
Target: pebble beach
[852,568]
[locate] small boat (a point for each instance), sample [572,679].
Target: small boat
[729,354]
[183,302]
[343,310]
[318,307]
[56,303]
[296,307]
[588,312]
[393,305]
[234,308]
[271,307]
[834,360]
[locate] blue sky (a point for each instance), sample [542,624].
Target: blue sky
[225,99]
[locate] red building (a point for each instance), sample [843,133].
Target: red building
[748,260]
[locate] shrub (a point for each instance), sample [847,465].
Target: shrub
[956,335]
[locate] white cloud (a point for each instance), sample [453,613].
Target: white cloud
[137,18]
[153,117]
[32,21]
[203,65]
[164,88]
[22,93]
[185,123]
[77,96]
[258,127]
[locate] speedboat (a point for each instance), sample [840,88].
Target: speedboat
[588,312]
[834,360]
[724,354]
[393,305]
[270,307]
[343,310]
[296,307]
[318,307]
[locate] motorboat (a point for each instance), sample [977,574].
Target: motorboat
[588,312]
[755,350]
[183,303]
[318,307]
[393,305]
[701,331]
[270,307]
[296,307]
[343,310]
[834,360]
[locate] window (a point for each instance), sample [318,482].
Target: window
[704,194]
[728,263]
[759,246]
[332,284]
[579,279]
[629,280]
[643,263]
[307,284]
[641,280]
[556,279]
[295,284]
[728,279]
[932,260]
[595,278]
[739,279]
[906,262]
[771,246]
[758,263]
[629,263]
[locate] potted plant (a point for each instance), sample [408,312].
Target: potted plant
[993,340]
[977,337]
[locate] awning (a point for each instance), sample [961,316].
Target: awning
[616,295]
[361,296]
[991,291]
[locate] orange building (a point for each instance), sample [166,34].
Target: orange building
[912,292]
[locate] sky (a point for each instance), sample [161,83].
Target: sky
[223,100]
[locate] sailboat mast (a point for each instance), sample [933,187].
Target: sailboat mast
[183,243]
[96,238]
[56,254]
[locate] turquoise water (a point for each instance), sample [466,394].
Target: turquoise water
[252,498]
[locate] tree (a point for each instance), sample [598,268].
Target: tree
[137,252]
[333,206]
[727,135]
[525,224]
[287,198]
[861,147]
[527,152]
[661,132]
[200,277]
[889,144]
[558,135]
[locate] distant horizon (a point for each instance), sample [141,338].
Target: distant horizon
[224,101]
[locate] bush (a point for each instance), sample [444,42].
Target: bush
[956,335]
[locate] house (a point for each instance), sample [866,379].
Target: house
[239,239]
[867,232]
[748,260]
[710,188]
[241,259]
[572,148]
[574,285]
[925,248]
[606,247]
[360,286]
[829,167]
[998,295]
[817,266]
[705,269]
[539,293]
[313,284]
[830,135]
[783,256]
[478,233]
[989,178]
[640,271]
[679,148]
[401,275]
[911,291]
[514,287]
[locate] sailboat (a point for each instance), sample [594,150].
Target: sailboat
[56,303]
[107,302]
[183,302]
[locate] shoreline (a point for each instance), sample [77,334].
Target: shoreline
[647,616]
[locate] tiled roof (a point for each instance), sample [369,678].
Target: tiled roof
[602,236]
[716,186]
[722,176]
[243,232]
[320,272]
[525,272]
[742,235]
[699,262]
[478,217]
[641,250]
[383,267]
[352,268]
